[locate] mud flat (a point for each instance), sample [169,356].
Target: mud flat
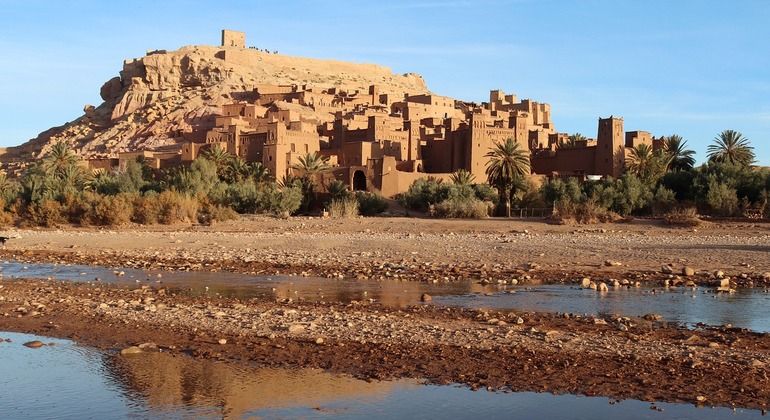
[613,356]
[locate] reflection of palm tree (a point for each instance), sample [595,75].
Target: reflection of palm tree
[730,146]
[507,164]
[681,158]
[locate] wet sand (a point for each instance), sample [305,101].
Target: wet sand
[617,357]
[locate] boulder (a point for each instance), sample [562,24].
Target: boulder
[688,271]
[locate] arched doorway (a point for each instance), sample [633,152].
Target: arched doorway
[359,181]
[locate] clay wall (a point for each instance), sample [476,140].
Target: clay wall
[576,160]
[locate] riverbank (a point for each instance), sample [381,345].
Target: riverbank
[613,356]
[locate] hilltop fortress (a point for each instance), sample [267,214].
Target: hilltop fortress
[378,130]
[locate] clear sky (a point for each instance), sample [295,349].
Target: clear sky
[687,67]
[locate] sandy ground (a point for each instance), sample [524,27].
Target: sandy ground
[618,357]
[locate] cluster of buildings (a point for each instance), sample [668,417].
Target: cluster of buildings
[384,141]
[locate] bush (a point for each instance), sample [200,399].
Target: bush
[210,213]
[586,213]
[423,193]
[485,192]
[175,207]
[462,208]
[687,216]
[344,207]
[284,201]
[721,198]
[47,213]
[370,203]
[663,201]
[111,210]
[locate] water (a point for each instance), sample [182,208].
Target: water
[747,308]
[68,381]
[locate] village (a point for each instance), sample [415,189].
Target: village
[384,141]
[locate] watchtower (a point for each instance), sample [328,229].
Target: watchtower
[610,153]
[233,38]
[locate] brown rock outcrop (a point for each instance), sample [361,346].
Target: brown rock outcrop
[164,95]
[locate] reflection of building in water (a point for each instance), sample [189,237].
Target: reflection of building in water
[167,381]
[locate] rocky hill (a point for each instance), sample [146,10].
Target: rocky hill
[166,93]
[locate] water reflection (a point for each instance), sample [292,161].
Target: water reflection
[169,383]
[68,381]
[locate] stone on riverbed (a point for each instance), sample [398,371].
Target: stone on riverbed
[130,351]
[34,344]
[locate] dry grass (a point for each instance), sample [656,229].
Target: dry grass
[687,216]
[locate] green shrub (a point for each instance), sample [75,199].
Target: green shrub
[722,199]
[371,203]
[462,208]
[423,193]
[284,201]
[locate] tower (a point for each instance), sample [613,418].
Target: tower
[610,154]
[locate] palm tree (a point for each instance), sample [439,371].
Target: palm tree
[237,170]
[572,141]
[731,146]
[258,172]
[681,157]
[507,163]
[220,157]
[462,178]
[338,190]
[59,158]
[309,167]
[647,164]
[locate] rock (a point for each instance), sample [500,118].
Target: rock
[603,287]
[599,321]
[653,317]
[666,269]
[724,283]
[688,271]
[34,344]
[757,364]
[719,274]
[585,282]
[426,297]
[130,350]
[622,327]
[519,320]
[296,328]
[222,341]
[319,340]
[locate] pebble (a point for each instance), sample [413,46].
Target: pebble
[222,341]
[34,344]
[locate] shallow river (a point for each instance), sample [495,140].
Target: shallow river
[68,381]
[748,308]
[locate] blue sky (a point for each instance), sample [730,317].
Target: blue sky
[686,67]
